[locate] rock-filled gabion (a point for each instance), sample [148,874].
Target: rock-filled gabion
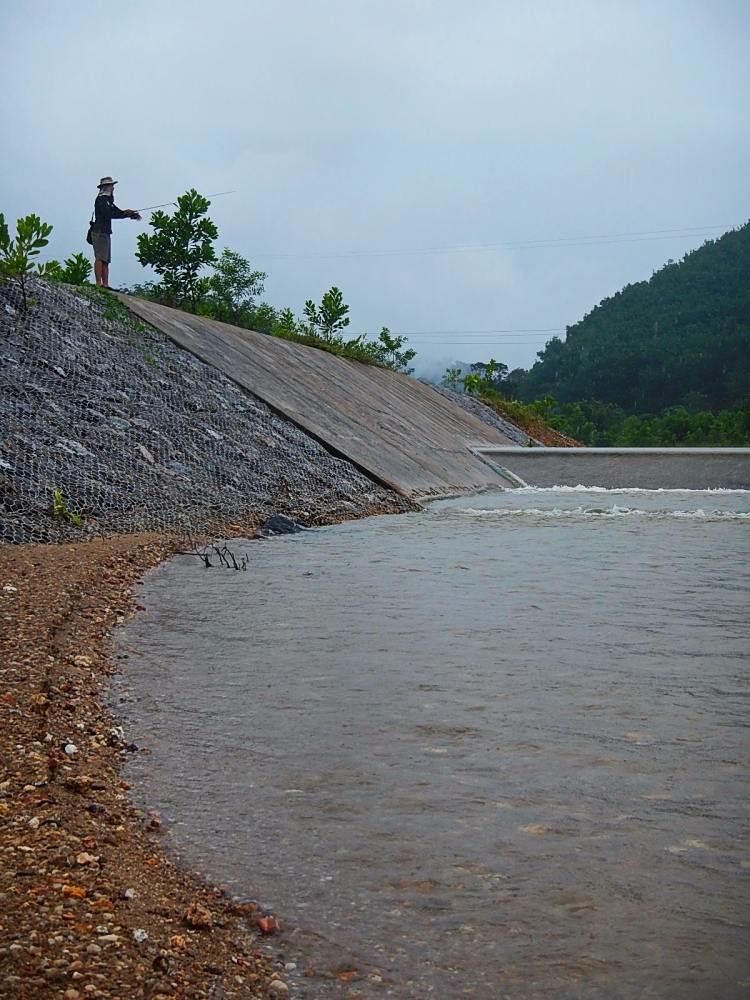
[471,405]
[107,426]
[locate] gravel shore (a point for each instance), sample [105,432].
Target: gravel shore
[90,904]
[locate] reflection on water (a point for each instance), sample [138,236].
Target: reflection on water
[494,749]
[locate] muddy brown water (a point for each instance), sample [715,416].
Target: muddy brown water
[497,748]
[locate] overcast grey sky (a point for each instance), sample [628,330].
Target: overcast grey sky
[348,125]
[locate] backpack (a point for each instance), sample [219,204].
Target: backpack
[89,237]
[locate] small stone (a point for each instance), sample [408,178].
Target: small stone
[73,891]
[278,989]
[70,749]
[198,916]
[139,935]
[268,925]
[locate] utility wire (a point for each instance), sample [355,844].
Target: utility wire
[481,333]
[548,243]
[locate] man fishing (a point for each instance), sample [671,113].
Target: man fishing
[101,228]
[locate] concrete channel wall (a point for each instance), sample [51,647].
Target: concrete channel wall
[621,468]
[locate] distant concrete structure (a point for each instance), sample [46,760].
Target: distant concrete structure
[394,428]
[620,468]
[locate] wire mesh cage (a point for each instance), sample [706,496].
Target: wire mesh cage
[107,426]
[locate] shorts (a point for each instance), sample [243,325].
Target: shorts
[102,243]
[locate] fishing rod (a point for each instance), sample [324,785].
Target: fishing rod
[150,208]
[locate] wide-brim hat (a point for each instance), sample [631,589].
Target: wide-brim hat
[105,181]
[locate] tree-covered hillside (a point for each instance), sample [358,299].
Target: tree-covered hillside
[681,338]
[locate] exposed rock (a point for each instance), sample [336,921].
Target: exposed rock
[278,524]
[471,405]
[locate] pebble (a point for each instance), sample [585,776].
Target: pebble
[139,935]
[278,989]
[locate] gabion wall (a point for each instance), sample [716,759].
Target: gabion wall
[107,426]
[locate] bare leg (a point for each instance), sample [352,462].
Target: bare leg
[98,265]
[105,274]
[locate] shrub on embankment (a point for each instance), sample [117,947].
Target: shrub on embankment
[110,427]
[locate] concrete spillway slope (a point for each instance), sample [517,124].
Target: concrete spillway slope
[394,428]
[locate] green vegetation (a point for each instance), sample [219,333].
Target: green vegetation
[180,246]
[76,270]
[17,255]
[60,509]
[679,339]
[605,424]
[664,362]
[232,289]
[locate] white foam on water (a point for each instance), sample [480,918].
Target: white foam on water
[609,512]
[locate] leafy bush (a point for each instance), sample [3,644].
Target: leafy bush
[179,248]
[16,255]
[76,270]
[232,289]
[452,379]
[330,318]
[390,352]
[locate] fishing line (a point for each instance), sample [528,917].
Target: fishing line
[166,204]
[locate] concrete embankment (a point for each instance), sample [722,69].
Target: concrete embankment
[622,468]
[401,432]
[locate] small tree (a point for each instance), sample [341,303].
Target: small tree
[392,353]
[16,255]
[452,379]
[330,318]
[233,288]
[285,323]
[180,246]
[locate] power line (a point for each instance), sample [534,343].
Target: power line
[547,243]
[479,333]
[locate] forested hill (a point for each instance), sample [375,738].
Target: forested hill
[683,337]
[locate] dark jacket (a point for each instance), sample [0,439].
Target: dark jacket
[104,211]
